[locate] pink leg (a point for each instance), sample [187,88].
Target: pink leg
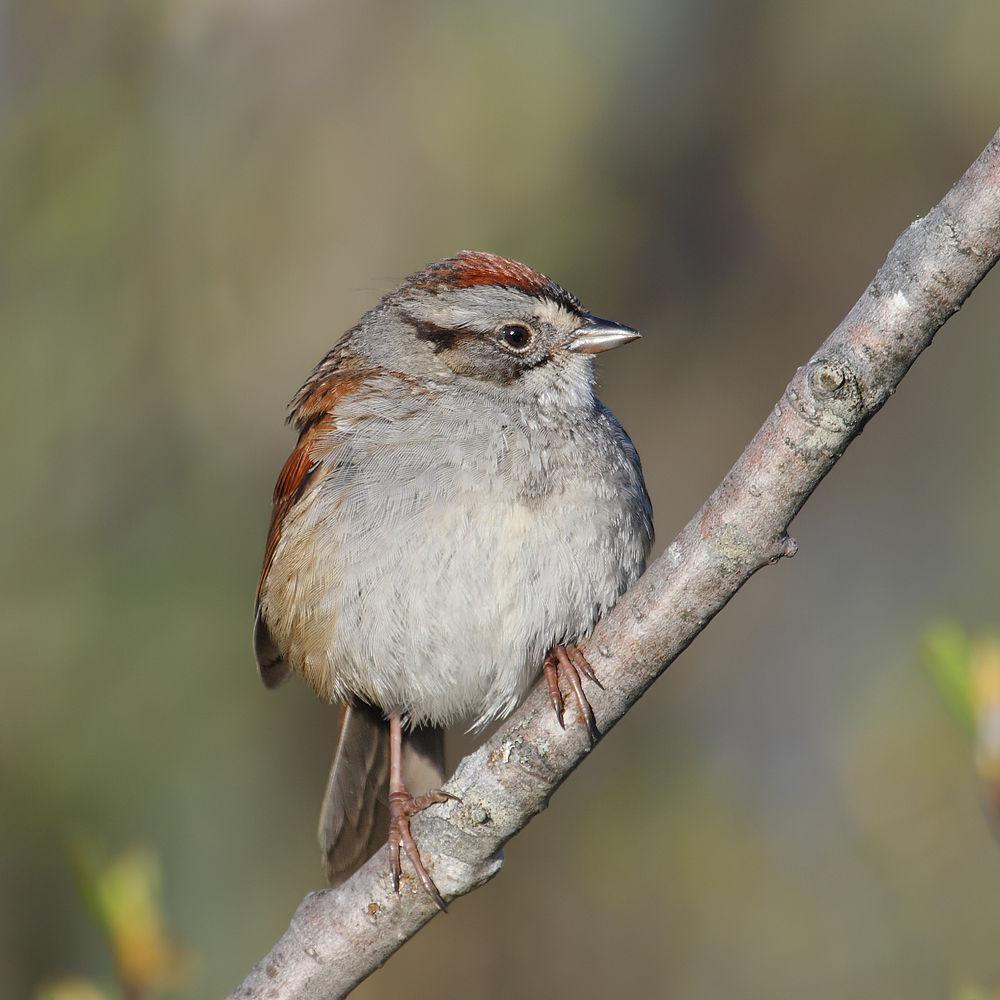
[402,805]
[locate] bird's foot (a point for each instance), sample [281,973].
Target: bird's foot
[402,806]
[568,660]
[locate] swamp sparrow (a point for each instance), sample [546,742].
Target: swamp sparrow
[458,513]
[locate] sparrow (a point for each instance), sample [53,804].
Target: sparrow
[459,511]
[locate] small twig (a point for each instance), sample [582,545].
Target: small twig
[339,936]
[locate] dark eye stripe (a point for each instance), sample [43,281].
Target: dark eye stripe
[442,337]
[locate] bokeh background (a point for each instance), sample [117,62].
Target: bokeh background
[198,196]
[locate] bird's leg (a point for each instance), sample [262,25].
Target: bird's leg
[403,805]
[567,660]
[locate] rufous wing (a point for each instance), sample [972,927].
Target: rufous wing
[313,415]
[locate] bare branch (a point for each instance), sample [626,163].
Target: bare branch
[339,936]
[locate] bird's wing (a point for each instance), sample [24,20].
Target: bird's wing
[314,414]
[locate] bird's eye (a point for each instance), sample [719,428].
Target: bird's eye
[516,336]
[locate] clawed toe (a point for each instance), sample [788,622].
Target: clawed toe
[582,664]
[402,806]
[570,662]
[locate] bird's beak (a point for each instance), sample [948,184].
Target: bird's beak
[597,335]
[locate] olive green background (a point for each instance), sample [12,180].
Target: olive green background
[198,196]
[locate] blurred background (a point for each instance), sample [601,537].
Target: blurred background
[198,196]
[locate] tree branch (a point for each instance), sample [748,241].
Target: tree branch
[339,936]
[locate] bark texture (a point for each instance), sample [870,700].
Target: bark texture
[339,936]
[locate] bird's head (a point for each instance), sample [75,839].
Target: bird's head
[493,321]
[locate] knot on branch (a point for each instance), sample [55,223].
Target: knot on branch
[827,394]
[784,547]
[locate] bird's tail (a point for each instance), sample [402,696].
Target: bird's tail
[354,820]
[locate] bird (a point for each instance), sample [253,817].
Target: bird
[458,512]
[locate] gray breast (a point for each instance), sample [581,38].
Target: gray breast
[468,540]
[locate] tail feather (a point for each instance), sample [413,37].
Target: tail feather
[354,820]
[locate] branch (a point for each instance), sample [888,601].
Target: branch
[339,936]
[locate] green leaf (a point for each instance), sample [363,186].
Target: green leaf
[947,656]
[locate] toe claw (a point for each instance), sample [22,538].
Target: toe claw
[559,714]
[418,866]
[583,665]
[432,891]
[395,868]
